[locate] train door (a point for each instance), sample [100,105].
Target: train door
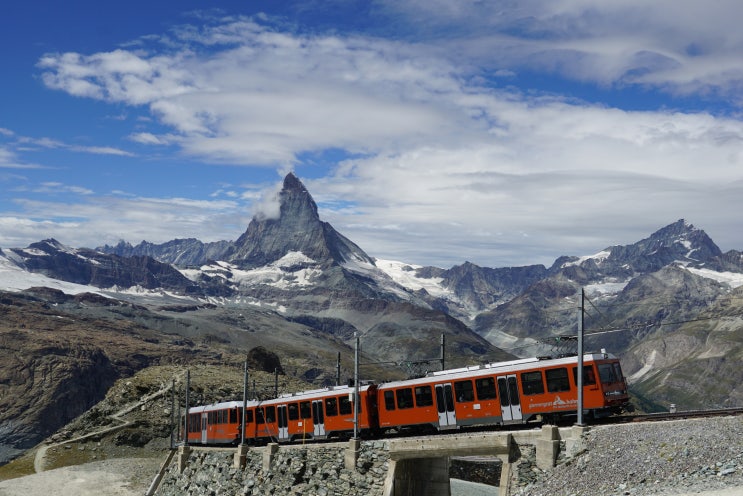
[204,428]
[510,402]
[445,406]
[318,418]
[283,422]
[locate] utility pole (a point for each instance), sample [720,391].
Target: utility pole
[245,403]
[172,413]
[579,375]
[443,351]
[276,382]
[356,388]
[338,370]
[186,417]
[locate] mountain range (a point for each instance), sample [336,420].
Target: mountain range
[670,305]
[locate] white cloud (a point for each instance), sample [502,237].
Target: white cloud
[680,46]
[79,222]
[444,160]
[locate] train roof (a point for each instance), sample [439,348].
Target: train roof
[284,398]
[499,368]
[317,393]
[221,406]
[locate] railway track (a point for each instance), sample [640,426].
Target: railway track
[686,414]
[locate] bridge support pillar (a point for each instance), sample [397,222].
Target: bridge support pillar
[547,447]
[414,476]
[269,454]
[183,453]
[352,453]
[241,456]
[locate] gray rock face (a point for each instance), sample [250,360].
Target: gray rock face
[90,267]
[188,252]
[297,229]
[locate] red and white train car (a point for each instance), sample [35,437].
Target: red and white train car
[502,393]
[319,414]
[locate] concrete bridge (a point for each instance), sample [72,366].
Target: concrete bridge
[421,465]
[403,466]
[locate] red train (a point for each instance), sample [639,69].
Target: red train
[500,393]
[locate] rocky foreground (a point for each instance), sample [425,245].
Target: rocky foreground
[652,458]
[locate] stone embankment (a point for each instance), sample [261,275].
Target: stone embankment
[292,471]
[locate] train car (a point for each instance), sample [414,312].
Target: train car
[502,393]
[318,414]
[219,423]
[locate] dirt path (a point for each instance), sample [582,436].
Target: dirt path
[40,457]
[115,477]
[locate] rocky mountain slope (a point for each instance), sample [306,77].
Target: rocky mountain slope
[60,354]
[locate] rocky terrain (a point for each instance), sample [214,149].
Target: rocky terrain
[135,417]
[60,355]
[652,458]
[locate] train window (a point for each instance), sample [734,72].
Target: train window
[305,411]
[249,417]
[423,396]
[233,416]
[270,414]
[532,383]
[617,371]
[463,391]
[606,372]
[331,407]
[485,388]
[404,398]
[194,425]
[259,419]
[389,400]
[344,405]
[557,380]
[589,376]
[293,411]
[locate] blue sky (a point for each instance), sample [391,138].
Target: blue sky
[432,132]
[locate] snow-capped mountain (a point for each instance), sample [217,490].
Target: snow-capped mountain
[302,268]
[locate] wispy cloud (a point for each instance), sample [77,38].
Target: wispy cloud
[56,187]
[127,217]
[680,46]
[29,143]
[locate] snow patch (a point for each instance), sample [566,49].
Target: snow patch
[404,275]
[14,278]
[732,279]
[598,258]
[608,287]
[293,270]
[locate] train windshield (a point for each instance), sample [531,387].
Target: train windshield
[610,372]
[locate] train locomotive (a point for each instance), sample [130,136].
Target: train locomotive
[501,393]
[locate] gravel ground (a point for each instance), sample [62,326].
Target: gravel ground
[114,477]
[652,458]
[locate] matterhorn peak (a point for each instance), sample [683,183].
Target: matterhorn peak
[298,228]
